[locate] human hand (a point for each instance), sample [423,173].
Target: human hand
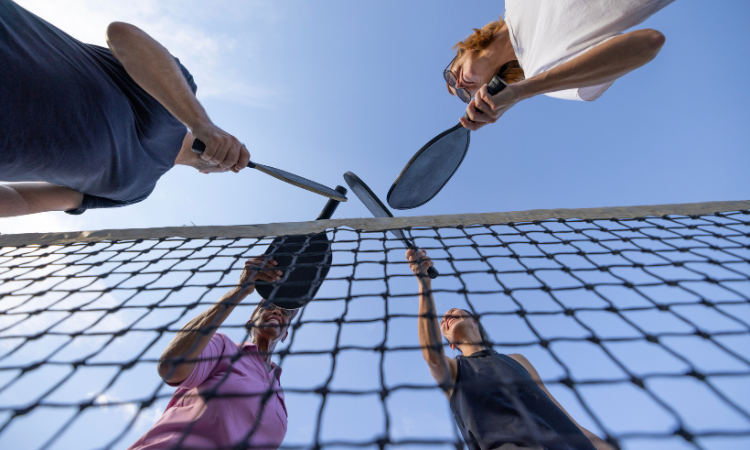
[255,269]
[485,108]
[222,149]
[419,268]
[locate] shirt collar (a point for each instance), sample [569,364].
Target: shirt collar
[249,347]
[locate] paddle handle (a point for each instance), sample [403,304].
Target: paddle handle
[332,204]
[431,271]
[493,87]
[200,147]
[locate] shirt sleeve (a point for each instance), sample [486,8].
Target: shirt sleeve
[93,202]
[208,360]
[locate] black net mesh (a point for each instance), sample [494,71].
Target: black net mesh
[639,327]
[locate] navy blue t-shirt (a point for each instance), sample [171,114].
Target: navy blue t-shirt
[70,115]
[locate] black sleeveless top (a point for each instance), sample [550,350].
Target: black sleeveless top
[495,401]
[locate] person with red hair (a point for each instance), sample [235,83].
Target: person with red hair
[568,49]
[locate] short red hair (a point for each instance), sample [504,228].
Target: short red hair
[510,72]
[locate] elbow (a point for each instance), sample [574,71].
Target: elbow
[651,41]
[118,33]
[168,373]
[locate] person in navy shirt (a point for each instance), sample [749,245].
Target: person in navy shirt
[499,401]
[82,126]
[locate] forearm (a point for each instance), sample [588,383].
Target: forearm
[155,70]
[195,335]
[428,326]
[18,199]
[602,64]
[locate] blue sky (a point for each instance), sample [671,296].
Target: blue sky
[322,88]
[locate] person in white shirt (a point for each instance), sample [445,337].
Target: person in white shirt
[569,49]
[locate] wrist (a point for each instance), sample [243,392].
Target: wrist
[527,88]
[199,122]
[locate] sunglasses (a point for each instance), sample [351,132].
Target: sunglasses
[288,313]
[451,79]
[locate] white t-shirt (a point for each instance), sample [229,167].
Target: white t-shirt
[547,33]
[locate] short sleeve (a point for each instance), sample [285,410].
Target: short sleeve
[188,76]
[94,202]
[208,360]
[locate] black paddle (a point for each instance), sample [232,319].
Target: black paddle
[434,164]
[285,176]
[304,261]
[378,209]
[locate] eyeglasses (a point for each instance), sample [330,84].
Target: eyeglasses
[451,79]
[288,313]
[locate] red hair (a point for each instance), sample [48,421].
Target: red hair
[510,72]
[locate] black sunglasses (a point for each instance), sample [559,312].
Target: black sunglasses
[451,79]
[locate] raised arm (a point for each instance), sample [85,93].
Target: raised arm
[598,443]
[155,70]
[195,335]
[20,199]
[602,64]
[442,368]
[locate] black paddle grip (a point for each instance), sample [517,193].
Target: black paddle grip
[332,204]
[493,87]
[200,147]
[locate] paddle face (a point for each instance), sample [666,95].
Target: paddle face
[305,262]
[434,164]
[430,169]
[378,209]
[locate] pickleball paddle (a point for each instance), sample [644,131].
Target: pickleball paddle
[295,180]
[378,209]
[434,164]
[304,261]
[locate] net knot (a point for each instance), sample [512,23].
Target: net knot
[594,340]
[23,411]
[651,338]
[684,434]
[567,382]
[696,375]
[638,382]
[702,334]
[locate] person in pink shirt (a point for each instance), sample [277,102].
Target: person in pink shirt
[228,395]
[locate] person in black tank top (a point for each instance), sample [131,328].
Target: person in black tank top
[498,401]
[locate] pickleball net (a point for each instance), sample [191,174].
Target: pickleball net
[637,319]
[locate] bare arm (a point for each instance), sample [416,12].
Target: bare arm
[598,443]
[442,368]
[154,69]
[602,64]
[195,335]
[19,199]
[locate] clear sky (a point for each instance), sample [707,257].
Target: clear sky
[321,88]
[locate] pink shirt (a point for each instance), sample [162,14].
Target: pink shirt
[223,421]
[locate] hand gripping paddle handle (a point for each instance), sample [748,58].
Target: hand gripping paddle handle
[332,204]
[200,147]
[431,271]
[493,87]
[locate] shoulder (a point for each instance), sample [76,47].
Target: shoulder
[520,359]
